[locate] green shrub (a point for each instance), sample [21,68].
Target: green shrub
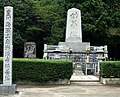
[39,70]
[110,69]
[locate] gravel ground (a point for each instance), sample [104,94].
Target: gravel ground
[66,91]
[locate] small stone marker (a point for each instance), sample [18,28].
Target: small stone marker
[7,86]
[30,50]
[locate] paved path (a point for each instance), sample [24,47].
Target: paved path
[67,91]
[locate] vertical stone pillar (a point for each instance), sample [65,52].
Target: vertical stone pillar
[8,46]
[7,86]
[73,29]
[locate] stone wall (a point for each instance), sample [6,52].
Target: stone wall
[110,81]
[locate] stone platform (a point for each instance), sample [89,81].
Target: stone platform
[8,89]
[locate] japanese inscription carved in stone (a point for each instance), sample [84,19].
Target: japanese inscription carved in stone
[73,29]
[7,63]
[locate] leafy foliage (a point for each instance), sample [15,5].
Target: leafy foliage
[36,70]
[44,21]
[50,13]
[23,16]
[110,69]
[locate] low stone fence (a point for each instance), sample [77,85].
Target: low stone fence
[110,81]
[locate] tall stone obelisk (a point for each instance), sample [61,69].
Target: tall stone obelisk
[7,86]
[73,29]
[73,39]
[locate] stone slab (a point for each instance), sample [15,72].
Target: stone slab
[8,89]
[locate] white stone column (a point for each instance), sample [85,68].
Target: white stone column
[73,29]
[8,46]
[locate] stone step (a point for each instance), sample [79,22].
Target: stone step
[86,83]
[78,73]
[84,78]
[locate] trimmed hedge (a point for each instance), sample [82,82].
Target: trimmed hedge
[39,70]
[110,69]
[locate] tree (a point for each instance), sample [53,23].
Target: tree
[51,15]
[114,28]
[23,16]
[44,21]
[94,21]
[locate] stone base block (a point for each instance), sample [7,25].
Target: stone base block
[8,89]
[110,81]
[75,46]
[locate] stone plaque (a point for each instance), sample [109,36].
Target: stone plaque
[30,50]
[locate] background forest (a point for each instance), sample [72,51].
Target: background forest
[44,21]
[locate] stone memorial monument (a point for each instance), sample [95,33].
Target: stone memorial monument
[81,53]
[30,50]
[7,86]
[73,38]
[73,29]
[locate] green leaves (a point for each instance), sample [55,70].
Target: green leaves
[50,13]
[44,21]
[110,69]
[42,71]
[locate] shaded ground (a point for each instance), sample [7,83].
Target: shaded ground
[67,91]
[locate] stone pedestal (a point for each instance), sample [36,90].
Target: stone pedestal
[8,89]
[76,46]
